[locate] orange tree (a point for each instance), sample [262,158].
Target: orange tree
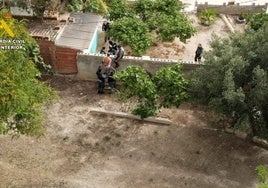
[166,88]
[135,24]
[21,93]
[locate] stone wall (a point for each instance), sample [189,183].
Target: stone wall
[87,64]
[233,9]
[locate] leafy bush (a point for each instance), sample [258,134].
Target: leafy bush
[132,32]
[258,20]
[166,88]
[21,94]
[95,6]
[207,16]
[160,17]
[262,176]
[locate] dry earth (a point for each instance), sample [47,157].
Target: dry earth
[86,150]
[186,51]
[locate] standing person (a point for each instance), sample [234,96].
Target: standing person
[106,28]
[198,53]
[119,55]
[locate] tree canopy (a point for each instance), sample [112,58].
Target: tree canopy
[21,93]
[234,79]
[163,18]
[152,92]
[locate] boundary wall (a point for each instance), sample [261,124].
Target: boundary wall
[233,9]
[87,64]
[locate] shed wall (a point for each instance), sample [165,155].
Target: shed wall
[62,59]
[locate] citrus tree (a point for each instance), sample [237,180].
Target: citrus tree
[166,88]
[132,32]
[21,93]
[160,19]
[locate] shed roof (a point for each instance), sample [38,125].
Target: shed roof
[79,31]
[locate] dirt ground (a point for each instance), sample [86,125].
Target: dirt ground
[86,150]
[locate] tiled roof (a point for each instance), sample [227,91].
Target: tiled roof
[45,30]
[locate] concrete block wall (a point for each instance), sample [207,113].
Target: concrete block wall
[87,64]
[233,9]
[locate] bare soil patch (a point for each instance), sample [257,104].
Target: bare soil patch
[186,51]
[85,150]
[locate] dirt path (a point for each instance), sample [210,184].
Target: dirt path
[186,51]
[87,150]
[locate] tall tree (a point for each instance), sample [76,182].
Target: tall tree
[234,79]
[21,93]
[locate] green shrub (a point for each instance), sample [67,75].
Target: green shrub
[262,176]
[207,16]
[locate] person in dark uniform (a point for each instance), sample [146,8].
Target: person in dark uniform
[106,28]
[198,53]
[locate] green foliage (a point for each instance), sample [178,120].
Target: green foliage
[207,16]
[95,6]
[262,172]
[152,92]
[165,17]
[33,51]
[38,6]
[234,79]
[132,31]
[162,17]
[170,78]
[169,27]
[144,9]
[21,94]
[258,20]
[75,5]
[118,9]
[135,82]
